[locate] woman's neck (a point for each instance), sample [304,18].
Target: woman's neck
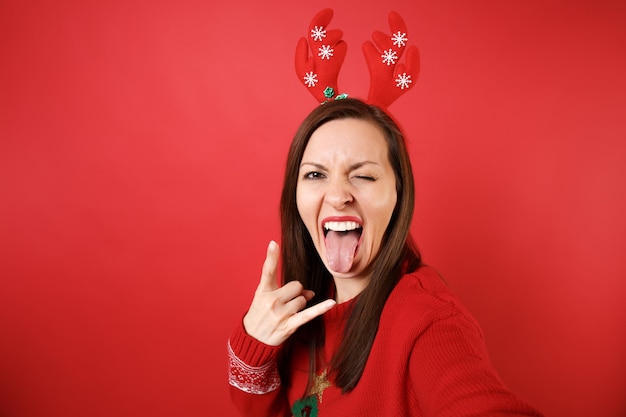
[348,288]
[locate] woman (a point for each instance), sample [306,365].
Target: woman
[360,327]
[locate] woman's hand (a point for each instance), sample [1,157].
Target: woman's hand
[277,312]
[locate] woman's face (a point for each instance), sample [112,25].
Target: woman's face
[346,194]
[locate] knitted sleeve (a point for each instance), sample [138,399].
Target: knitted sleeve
[255,387]
[453,376]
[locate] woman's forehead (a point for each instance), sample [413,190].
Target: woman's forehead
[352,136]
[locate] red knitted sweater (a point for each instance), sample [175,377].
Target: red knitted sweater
[428,359]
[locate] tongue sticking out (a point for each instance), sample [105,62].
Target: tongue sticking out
[340,249]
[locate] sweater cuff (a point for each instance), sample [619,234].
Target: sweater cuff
[250,350]
[252,364]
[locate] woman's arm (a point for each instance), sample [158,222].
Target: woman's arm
[453,376]
[255,386]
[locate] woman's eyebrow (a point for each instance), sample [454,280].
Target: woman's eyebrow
[360,164]
[351,167]
[314,164]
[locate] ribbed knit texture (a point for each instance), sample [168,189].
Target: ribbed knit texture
[250,350]
[428,359]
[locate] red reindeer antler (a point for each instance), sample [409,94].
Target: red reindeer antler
[319,71]
[389,78]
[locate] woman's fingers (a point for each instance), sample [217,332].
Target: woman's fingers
[268,272]
[295,317]
[291,290]
[310,313]
[295,305]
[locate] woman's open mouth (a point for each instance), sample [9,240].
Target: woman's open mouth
[342,236]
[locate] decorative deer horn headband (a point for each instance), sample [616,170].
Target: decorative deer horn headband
[389,78]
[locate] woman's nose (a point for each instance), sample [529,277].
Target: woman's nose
[338,194]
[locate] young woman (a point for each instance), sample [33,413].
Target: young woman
[359,327]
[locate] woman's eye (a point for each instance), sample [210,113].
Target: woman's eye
[313,175]
[365,177]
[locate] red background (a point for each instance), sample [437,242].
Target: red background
[141,154]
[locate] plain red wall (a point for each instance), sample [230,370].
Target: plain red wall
[141,151]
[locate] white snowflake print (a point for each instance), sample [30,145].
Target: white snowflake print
[318,33]
[310,79]
[403,81]
[399,39]
[325,51]
[389,57]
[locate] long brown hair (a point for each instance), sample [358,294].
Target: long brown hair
[301,261]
